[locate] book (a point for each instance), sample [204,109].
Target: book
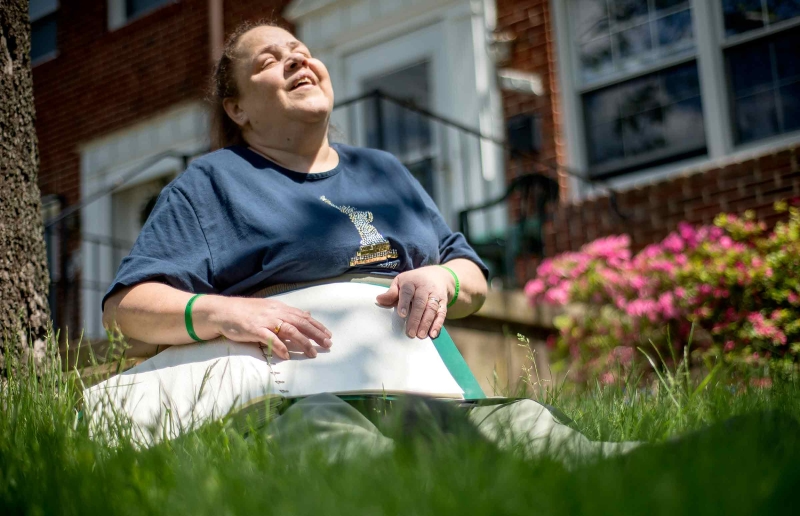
[188,385]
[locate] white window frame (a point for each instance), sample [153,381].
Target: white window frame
[117,17]
[710,46]
[36,16]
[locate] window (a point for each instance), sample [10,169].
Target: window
[134,8]
[654,82]
[44,41]
[121,12]
[763,66]
[639,82]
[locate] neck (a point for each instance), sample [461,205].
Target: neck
[300,148]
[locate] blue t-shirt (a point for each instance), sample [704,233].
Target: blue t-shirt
[235,221]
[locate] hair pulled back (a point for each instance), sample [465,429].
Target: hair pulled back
[224,131]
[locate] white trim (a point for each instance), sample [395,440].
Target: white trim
[105,160]
[717,115]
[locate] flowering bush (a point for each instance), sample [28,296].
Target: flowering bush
[735,281]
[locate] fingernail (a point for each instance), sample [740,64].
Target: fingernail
[313,353]
[411,334]
[434,334]
[328,333]
[402,312]
[328,343]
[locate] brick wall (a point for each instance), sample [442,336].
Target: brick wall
[697,196]
[103,81]
[533,51]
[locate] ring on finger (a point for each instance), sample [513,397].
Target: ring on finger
[278,327]
[435,299]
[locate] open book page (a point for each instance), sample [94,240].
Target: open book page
[187,385]
[371,352]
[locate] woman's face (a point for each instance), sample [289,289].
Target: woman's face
[270,63]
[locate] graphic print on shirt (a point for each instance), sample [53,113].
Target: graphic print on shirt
[374,248]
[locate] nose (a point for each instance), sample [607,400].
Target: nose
[296,59]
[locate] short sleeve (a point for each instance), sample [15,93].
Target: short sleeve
[452,244]
[171,249]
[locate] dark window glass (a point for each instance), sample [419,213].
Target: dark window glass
[401,131]
[658,117]
[626,10]
[622,35]
[675,30]
[136,7]
[44,39]
[779,10]
[671,4]
[746,15]
[764,77]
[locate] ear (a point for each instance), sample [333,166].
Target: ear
[235,111]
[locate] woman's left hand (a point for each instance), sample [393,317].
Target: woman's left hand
[420,296]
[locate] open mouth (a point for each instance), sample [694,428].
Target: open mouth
[304,82]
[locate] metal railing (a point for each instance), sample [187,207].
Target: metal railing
[462,169]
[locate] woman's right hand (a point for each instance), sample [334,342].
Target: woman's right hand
[256,320]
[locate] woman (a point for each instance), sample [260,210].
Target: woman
[279,204]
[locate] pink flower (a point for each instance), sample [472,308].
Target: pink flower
[729,346]
[726,242]
[557,296]
[673,243]
[761,383]
[534,288]
[607,378]
[680,292]
[622,354]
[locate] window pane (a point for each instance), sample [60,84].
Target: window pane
[779,10]
[786,55]
[742,15]
[591,19]
[634,45]
[790,100]
[41,8]
[654,117]
[596,59]
[135,7]
[43,37]
[750,67]
[618,36]
[763,79]
[684,123]
[756,116]
[627,10]
[671,4]
[404,132]
[675,31]
[605,142]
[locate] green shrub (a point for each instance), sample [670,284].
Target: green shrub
[735,282]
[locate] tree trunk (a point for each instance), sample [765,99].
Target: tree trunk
[24,313]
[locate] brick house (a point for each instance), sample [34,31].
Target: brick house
[646,112]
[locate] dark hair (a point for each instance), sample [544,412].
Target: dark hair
[224,131]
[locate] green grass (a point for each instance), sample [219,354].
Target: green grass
[746,465]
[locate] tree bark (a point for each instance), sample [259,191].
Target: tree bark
[24,312]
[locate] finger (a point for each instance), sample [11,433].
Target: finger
[390,297]
[294,339]
[308,329]
[273,344]
[418,306]
[436,327]
[407,290]
[321,327]
[428,316]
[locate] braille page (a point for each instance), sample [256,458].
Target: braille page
[371,352]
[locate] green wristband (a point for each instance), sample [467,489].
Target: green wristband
[187,316]
[458,286]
